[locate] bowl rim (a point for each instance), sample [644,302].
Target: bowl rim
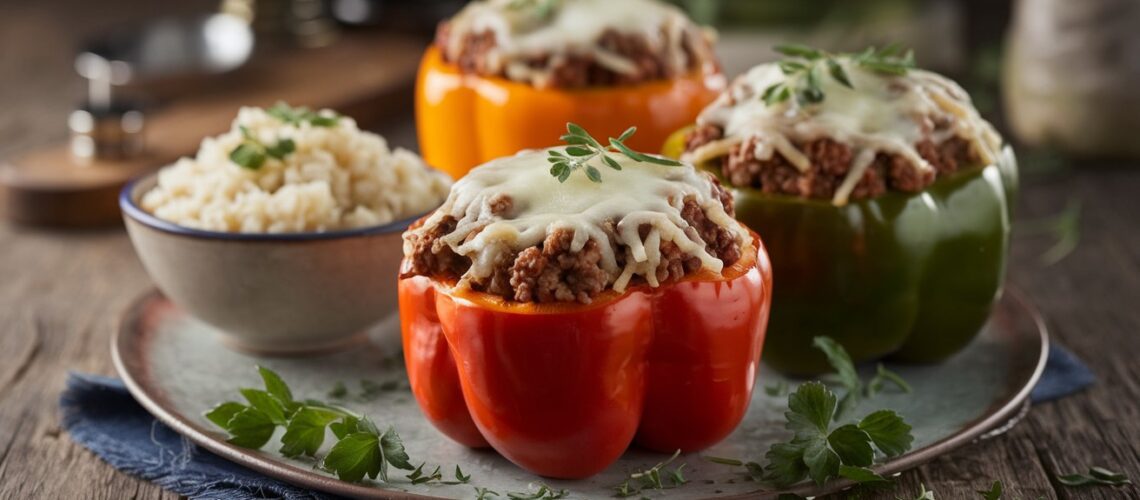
[128,204]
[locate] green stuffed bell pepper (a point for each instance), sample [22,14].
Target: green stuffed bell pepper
[882,196]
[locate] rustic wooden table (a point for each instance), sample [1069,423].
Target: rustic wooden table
[61,294]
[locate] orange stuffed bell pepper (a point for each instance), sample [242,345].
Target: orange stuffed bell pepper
[527,329]
[503,77]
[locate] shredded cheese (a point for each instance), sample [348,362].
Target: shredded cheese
[641,195]
[573,27]
[883,113]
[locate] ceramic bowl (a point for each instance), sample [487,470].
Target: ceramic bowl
[271,293]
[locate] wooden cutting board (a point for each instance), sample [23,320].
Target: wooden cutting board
[365,76]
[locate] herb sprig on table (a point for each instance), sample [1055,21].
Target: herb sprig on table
[583,149]
[362,449]
[651,478]
[1095,476]
[804,68]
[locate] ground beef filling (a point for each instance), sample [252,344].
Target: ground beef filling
[552,272]
[577,70]
[830,162]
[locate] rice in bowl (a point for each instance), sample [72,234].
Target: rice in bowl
[308,172]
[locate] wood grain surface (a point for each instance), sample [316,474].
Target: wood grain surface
[60,294]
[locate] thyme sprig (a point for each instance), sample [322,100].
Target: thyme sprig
[651,478]
[583,149]
[805,66]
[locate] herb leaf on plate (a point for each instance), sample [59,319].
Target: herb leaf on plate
[820,452]
[361,449]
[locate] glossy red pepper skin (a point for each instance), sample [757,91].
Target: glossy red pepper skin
[562,390]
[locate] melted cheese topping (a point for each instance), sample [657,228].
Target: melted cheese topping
[573,27]
[641,194]
[883,113]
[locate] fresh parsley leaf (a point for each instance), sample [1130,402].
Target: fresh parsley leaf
[360,451]
[346,425]
[306,432]
[393,448]
[994,493]
[819,452]
[222,413]
[281,149]
[248,155]
[821,460]
[267,404]
[250,428]
[274,385]
[355,456]
[861,475]
[810,410]
[838,358]
[785,464]
[890,433]
[853,445]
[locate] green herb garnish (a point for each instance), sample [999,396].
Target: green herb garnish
[297,116]
[543,492]
[252,154]
[820,452]
[994,493]
[1095,476]
[848,377]
[583,149]
[923,493]
[1064,227]
[542,9]
[803,70]
[778,389]
[651,479]
[483,493]
[724,460]
[362,449]
[882,377]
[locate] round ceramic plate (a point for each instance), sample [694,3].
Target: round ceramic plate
[178,368]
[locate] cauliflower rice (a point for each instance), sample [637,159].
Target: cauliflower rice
[338,177]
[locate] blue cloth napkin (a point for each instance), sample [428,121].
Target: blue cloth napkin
[102,416]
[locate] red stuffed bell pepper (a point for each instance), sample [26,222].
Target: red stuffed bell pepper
[559,355]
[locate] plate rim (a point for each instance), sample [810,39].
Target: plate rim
[156,405]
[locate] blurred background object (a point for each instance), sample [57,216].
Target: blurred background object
[156,77]
[1072,75]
